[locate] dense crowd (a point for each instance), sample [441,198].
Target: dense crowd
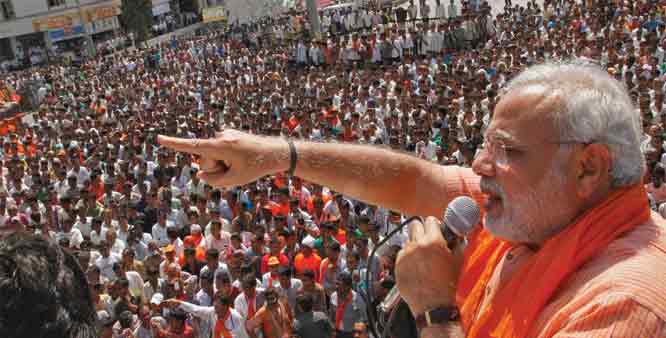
[167,255]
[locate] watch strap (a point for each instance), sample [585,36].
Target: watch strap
[437,316]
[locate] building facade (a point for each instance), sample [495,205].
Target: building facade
[30,28]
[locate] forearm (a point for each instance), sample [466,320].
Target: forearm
[450,330]
[374,175]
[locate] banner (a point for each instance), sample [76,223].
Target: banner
[55,22]
[59,22]
[213,14]
[324,3]
[101,13]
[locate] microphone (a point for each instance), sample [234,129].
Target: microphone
[461,216]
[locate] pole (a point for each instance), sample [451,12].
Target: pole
[86,32]
[313,17]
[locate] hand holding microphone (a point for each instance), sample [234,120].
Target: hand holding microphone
[426,270]
[428,266]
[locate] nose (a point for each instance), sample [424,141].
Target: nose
[483,164]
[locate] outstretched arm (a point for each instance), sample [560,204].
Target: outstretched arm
[371,174]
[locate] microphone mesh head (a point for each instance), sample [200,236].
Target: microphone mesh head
[462,215]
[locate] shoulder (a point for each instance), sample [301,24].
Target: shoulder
[624,283]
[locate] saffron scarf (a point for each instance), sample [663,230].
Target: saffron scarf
[250,305]
[340,310]
[519,302]
[221,330]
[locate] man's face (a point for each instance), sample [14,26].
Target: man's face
[342,288]
[221,309]
[360,330]
[533,175]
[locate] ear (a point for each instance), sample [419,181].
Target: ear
[593,166]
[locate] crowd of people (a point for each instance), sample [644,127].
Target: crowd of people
[167,255]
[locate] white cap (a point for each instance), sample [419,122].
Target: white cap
[195,227]
[157,299]
[309,242]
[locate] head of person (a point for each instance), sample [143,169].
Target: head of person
[104,247]
[284,274]
[215,227]
[360,330]
[222,304]
[333,251]
[176,320]
[249,284]
[344,283]
[44,291]
[206,281]
[222,281]
[212,258]
[271,296]
[308,279]
[561,134]
[352,259]
[189,254]
[128,256]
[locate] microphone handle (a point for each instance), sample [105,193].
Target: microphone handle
[368,295]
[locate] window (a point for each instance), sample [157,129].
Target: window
[56,3]
[7,10]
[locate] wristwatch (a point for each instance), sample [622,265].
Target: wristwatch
[437,316]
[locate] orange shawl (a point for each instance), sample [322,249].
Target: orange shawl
[518,303]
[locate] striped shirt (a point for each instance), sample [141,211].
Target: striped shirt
[619,293]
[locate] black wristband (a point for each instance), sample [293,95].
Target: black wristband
[293,158]
[437,316]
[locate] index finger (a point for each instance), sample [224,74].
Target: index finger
[416,230]
[192,146]
[432,227]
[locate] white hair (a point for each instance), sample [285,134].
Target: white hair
[593,108]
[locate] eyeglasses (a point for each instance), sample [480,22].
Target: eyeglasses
[504,155]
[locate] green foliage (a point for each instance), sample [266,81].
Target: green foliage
[137,17]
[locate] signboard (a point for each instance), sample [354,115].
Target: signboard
[55,22]
[213,14]
[161,9]
[58,22]
[65,33]
[324,3]
[103,25]
[101,13]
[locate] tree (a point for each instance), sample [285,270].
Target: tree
[137,17]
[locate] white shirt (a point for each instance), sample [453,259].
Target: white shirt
[222,244]
[135,284]
[159,233]
[105,265]
[241,304]
[235,323]
[266,278]
[203,299]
